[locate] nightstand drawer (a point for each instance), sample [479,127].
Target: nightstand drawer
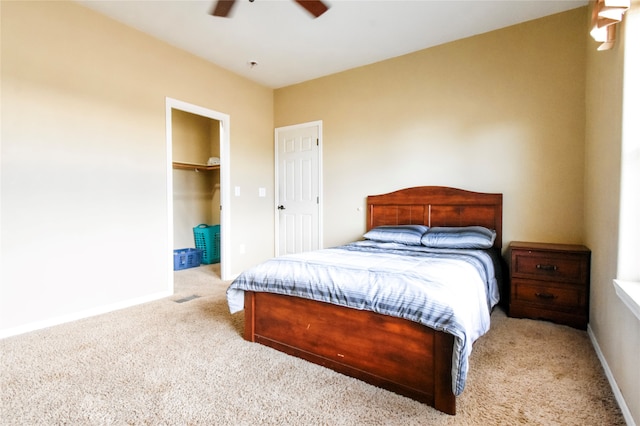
[549,266]
[547,295]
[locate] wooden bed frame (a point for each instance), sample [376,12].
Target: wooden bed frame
[395,354]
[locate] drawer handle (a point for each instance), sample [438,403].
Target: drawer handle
[546,296]
[546,267]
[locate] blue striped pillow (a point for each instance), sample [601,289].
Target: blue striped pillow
[404,234]
[469,237]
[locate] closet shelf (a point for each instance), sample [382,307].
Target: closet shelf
[194,166]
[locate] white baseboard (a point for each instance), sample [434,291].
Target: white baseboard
[39,325]
[612,381]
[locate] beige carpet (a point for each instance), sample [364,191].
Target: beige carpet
[170,363]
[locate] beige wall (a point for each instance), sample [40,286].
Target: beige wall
[84,211]
[499,112]
[614,327]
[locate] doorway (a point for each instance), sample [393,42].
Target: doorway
[219,123]
[298,171]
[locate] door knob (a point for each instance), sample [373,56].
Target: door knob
[281,207]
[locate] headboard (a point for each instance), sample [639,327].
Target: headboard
[436,206]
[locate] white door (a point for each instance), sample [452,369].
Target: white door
[298,188]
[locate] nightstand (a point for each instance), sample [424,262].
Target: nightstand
[550,282]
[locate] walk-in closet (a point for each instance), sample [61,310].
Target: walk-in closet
[196,175]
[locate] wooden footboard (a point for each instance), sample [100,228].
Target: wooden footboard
[395,354]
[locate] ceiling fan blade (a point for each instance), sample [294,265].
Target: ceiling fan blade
[223,8]
[314,7]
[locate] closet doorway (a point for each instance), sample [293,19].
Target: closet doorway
[198,175]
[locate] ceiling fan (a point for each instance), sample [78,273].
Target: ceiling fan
[314,7]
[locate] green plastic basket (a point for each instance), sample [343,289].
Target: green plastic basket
[207,239]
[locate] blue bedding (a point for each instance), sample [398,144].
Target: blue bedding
[451,290]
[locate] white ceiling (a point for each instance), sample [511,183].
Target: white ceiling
[290,46]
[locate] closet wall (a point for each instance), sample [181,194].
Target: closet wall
[196,194]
